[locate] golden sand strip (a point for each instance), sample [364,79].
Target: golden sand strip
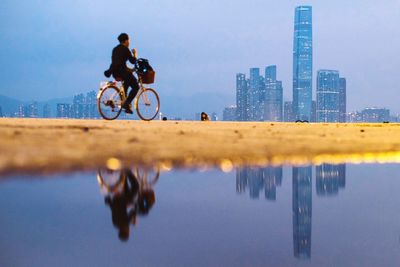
[49,145]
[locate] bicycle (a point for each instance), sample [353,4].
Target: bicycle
[111,95]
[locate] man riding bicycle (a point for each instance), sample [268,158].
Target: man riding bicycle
[120,71]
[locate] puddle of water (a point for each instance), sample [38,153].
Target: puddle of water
[327,215]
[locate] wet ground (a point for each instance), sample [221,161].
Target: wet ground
[327,215]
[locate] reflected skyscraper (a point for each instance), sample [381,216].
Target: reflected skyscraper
[257,179]
[330,178]
[302,63]
[272,179]
[302,211]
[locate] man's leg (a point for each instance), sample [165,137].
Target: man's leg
[130,81]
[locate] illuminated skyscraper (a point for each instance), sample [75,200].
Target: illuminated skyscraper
[273,96]
[328,96]
[242,103]
[256,95]
[302,63]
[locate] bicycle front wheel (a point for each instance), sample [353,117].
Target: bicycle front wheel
[109,103]
[148,104]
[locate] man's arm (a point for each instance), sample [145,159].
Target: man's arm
[131,58]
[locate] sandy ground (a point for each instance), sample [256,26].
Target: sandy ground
[49,145]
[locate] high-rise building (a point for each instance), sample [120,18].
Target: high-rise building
[288,112]
[256,95]
[32,110]
[21,113]
[91,105]
[342,100]
[302,211]
[273,96]
[242,102]
[64,110]
[1,112]
[328,96]
[375,115]
[302,63]
[46,111]
[78,106]
[229,114]
[330,178]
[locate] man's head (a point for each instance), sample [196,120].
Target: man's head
[123,39]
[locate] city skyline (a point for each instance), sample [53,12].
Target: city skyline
[217,48]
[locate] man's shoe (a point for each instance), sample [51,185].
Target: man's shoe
[128,110]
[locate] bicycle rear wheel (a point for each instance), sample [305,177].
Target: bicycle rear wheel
[148,104]
[109,103]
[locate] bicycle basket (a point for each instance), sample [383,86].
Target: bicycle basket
[148,76]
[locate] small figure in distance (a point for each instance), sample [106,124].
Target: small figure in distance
[120,71]
[204,117]
[164,119]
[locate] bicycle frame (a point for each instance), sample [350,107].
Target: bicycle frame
[121,90]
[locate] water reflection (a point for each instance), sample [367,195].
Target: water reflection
[258,179]
[329,179]
[128,193]
[302,211]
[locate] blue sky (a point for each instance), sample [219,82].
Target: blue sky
[59,48]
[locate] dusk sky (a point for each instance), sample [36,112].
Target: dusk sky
[59,48]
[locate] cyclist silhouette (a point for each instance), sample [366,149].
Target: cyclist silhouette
[120,71]
[131,201]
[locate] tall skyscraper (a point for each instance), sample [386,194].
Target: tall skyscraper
[242,103]
[328,96]
[302,211]
[342,100]
[302,63]
[273,96]
[256,95]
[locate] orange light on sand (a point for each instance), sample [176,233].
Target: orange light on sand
[166,166]
[226,165]
[114,164]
